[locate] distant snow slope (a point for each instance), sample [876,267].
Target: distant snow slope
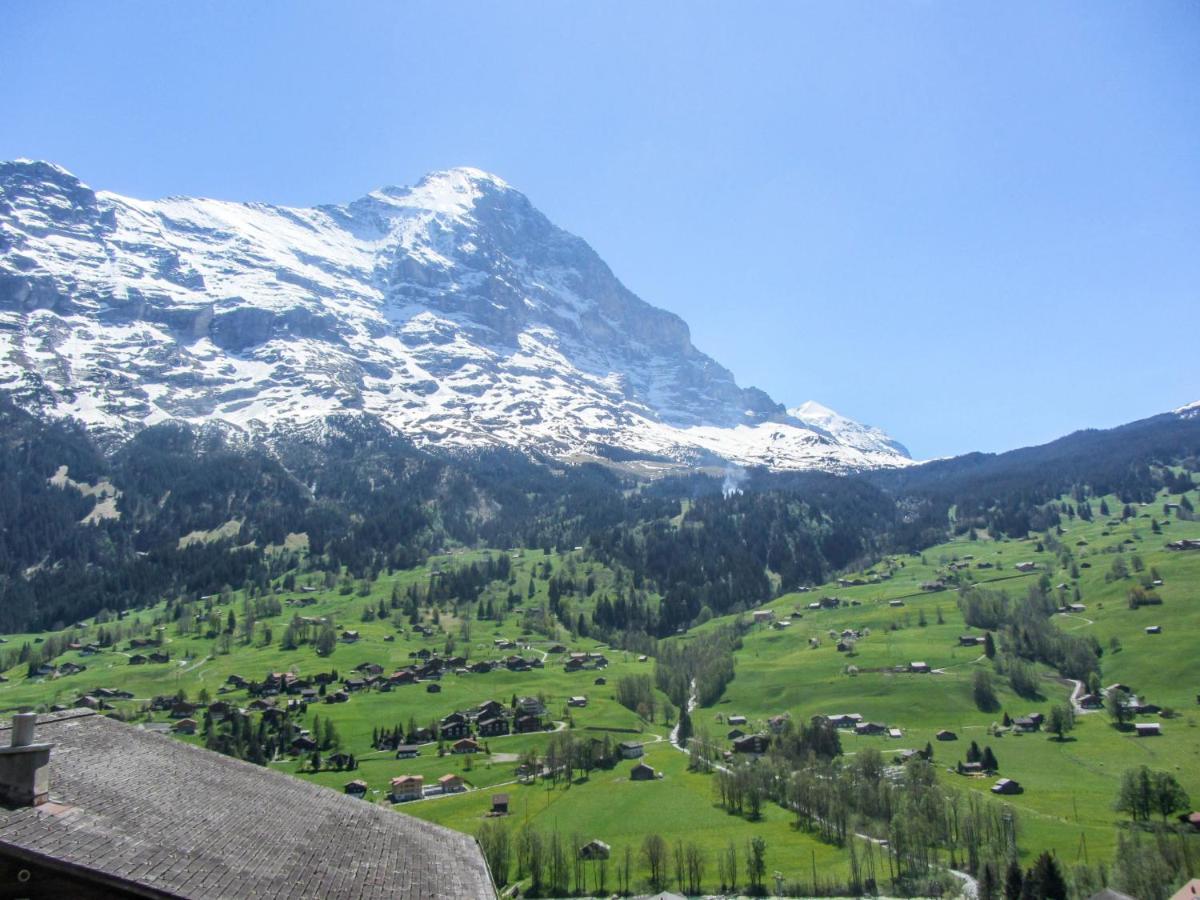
[453,311]
[847,432]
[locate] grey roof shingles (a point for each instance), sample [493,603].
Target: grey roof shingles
[175,820]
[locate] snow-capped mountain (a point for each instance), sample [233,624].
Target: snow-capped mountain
[453,311]
[864,438]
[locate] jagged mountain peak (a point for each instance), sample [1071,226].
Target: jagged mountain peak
[452,311]
[453,192]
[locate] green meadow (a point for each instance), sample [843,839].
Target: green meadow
[797,670]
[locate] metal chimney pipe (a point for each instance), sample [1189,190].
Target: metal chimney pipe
[22,729]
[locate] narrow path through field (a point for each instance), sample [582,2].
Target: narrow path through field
[969,662]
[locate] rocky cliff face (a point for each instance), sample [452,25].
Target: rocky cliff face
[452,311]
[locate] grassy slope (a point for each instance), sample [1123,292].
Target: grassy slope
[1069,786]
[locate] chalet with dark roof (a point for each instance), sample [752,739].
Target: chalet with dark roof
[526,724]
[96,808]
[492,726]
[755,744]
[642,772]
[454,726]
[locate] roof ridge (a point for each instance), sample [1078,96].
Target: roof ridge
[50,718]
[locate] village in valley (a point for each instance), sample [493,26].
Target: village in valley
[502,714]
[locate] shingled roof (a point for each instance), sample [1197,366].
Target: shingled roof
[153,816]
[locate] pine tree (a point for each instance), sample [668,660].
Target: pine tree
[989,761]
[1045,881]
[1014,882]
[685,726]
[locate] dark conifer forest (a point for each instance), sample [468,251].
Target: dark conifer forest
[370,501]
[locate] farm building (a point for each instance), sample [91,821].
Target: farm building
[1153,629]
[869,728]
[500,804]
[595,850]
[630,749]
[844,720]
[1006,786]
[1148,729]
[946,736]
[641,772]
[407,751]
[921,667]
[736,720]
[753,743]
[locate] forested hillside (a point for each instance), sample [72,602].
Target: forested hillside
[177,511]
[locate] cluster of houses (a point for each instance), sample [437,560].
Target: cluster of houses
[827,603]
[491,719]
[578,662]
[98,698]
[848,638]
[856,723]
[752,744]
[1133,705]
[155,656]
[427,669]
[49,670]
[89,649]
[412,787]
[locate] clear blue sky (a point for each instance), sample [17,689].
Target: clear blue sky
[975,225]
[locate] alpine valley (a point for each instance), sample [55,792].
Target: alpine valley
[411,499]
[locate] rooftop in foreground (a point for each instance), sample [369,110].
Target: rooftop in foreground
[132,813]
